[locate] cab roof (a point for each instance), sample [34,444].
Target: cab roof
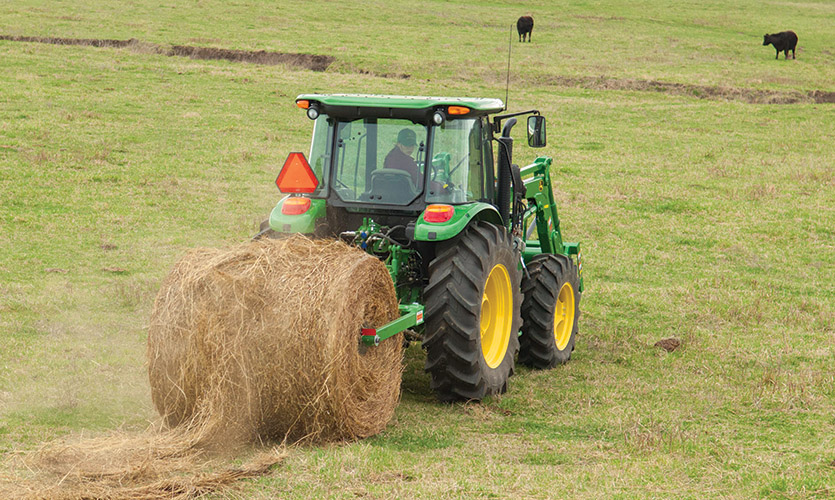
[363,104]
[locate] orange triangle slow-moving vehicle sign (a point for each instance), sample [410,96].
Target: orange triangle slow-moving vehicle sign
[296,176]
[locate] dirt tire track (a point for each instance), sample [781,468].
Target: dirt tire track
[752,96]
[93,42]
[312,62]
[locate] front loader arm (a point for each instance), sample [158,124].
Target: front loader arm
[541,206]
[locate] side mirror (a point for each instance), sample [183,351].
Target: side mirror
[536,131]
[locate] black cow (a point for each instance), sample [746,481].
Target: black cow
[524,26]
[784,41]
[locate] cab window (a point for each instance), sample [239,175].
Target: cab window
[456,172]
[379,161]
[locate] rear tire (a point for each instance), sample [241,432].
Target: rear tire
[473,316]
[550,311]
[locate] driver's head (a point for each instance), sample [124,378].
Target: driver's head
[407,140]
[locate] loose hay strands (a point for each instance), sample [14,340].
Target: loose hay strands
[155,467]
[262,342]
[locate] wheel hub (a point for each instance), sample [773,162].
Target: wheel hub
[496,316]
[564,316]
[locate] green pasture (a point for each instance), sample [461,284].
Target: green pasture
[703,214]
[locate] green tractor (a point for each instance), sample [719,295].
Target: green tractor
[473,244]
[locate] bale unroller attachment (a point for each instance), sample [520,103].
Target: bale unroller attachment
[262,341]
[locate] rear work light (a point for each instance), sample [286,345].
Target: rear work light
[295,206]
[296,176]
[438,213]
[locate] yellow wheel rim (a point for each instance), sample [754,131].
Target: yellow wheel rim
[496,316]
[564,316]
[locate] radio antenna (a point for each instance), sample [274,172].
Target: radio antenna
[507,82]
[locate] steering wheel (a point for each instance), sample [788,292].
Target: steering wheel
[440,169]
[453,169]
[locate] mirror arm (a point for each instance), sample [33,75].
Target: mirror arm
[497,120]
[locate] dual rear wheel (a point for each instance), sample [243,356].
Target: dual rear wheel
[550,311]
[475,310]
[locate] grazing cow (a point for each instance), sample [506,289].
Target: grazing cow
[784,41]
[524,26]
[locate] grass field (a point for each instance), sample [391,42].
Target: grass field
[694,168]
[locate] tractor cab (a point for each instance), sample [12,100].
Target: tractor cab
[392,157]
[400,164]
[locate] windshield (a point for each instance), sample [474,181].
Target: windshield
[379,160]
[456,173]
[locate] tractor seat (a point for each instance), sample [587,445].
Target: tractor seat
[389,185]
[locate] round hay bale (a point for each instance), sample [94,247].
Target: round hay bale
[262,341]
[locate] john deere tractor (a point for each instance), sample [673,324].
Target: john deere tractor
[471,240]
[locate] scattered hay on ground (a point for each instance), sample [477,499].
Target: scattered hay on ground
[155,465]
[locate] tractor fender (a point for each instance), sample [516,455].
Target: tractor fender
[304,222]
[462,217]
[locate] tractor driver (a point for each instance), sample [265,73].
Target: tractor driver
[400,157]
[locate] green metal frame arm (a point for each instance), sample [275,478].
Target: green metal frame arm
[540,196]
[411,315]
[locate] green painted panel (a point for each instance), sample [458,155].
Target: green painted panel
[302,223]
[482,105]
[464,214]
